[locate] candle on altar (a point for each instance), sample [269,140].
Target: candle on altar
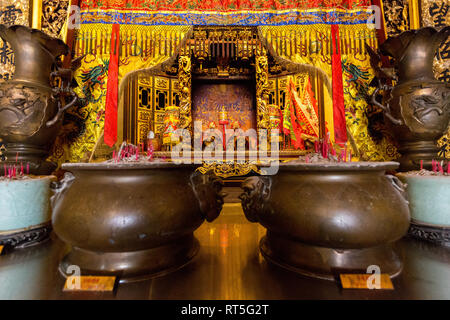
[21,169]
[316,146]
[441,168]
[421,164]
[28,168]
[223,121]
[433,165]
[448,167]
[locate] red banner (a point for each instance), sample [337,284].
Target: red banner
[110,135]
[340,127]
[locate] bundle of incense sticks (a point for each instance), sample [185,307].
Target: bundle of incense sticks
[437,167]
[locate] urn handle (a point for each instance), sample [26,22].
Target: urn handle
[255,197]
[208,191]
[386,109]
[400,186]
[61,110]
[59,188]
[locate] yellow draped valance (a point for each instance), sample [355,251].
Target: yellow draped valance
[310,45]
[141,48]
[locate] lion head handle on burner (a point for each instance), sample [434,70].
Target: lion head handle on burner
[256,196]
[208,191]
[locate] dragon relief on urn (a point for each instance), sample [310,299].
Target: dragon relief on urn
[418,106]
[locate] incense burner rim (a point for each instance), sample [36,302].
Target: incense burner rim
[34,178]
[413,176]
[127,166]
[340,166]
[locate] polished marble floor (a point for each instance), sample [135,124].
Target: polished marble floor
[228,266]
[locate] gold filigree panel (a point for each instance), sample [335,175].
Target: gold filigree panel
[436,13]
[228,169]
[54,14]
[396,16]
[11,12]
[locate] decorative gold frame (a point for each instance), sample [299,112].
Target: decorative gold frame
[228,169]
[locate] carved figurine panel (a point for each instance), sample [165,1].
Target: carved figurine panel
[11,12]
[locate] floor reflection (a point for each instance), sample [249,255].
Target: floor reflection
[228,266]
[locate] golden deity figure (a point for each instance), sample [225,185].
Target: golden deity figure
[212,126]
[223,121]
[171,122]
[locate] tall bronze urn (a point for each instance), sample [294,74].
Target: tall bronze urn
[418,107]
[30,108]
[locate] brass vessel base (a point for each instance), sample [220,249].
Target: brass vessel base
[24,238]
[432,233]
[327,263]
[134,265]
[32,156]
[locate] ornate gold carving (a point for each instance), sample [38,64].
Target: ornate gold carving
[396,16]
[2,151]
[145,80]
[228,169]
[200,34]
[161,83]
[54,14]
[184,82]
[245,34]
[230,34]
[215,34]
[262,91]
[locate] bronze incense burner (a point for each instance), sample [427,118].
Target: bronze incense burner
[31,107]
[132,220]
[326,219]
[418,107]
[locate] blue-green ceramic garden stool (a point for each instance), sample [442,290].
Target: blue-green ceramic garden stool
[429,202]
[25,214]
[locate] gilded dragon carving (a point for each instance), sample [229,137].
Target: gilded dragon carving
[184,83]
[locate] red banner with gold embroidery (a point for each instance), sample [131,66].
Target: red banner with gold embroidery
[305,111]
